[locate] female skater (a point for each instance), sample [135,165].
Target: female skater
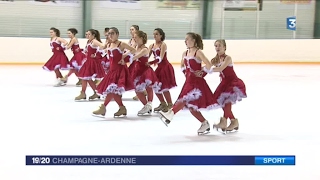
[164,71]
[144,77]
[78,55]
[92,67]
[58,60]
[230,90]
[132,43]
[117,80]
[195,94]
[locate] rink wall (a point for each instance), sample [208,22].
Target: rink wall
[36,51]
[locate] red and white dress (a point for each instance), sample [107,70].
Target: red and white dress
[195,91]
[59,59]
[78,57]
[117,80]
[92,67]
[231,88]
[164,72]
[143,75]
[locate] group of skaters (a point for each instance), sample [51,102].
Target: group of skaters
[112,67]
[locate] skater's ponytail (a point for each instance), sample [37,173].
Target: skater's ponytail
[97,36]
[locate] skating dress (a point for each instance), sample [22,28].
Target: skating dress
[92,67]
[58,60]
[164,72]
[195,91]
[117,80]
[78,57]
[231,88]
[144,76]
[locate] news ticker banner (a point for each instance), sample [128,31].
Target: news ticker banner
[159,160]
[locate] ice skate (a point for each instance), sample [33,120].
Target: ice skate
[166,117]
[59,83]
[95,96]
[234,125]
[204,128]
[101,112]
[64,79]
[147,109]
[122,111]
[170,105]
[81,97]
[135,98]
[79,83]
[221,125]
[162,107]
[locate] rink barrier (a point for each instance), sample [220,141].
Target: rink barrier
[36,51]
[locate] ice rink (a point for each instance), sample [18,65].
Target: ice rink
[279,117]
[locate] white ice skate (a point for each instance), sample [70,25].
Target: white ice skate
[59,83]
[147,109]
[166,117]
[204,128]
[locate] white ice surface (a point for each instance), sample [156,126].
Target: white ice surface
[279,117]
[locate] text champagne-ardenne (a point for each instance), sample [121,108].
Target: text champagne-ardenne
[93,160]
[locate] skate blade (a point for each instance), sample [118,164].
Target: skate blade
[81,100]
[203,133]
[121,116]
[219,129]
[99,116]
[145,114]
[96,99]
[164,120]
[232,131]
[59,85]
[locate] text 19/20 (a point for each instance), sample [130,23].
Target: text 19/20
[40,160]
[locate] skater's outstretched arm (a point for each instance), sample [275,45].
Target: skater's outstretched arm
[63,42]
[141,53]
[200,55]
[73,40]
[96,43]
[163,50]
[227,61]
[128,47]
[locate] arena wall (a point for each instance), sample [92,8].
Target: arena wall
[36,51]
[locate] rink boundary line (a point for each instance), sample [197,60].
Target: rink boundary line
[173,63]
